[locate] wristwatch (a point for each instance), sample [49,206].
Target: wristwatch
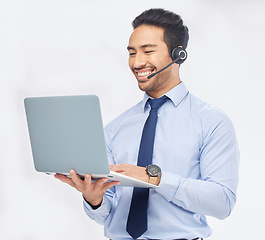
[154,173]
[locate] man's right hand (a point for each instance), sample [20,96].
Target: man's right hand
[93,192]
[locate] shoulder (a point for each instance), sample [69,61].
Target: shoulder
[204,109]
[209,117]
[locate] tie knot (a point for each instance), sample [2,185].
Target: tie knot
[158,102]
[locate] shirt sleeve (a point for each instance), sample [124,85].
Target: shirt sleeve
[101,213]
[214,194]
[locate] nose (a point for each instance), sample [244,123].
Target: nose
[139,60]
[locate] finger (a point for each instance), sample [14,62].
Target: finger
[64,179]
[101,181]
[106,183]
[111,184]
[88,178]
[60,176]
[75,178]
[118,167]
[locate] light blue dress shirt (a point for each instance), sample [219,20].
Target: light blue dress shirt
[196,148]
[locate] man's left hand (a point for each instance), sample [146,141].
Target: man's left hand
[131,171]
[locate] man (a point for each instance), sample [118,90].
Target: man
[194,146]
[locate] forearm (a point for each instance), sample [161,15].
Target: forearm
[99,214]
[198,196]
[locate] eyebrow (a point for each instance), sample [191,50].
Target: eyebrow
[143,46]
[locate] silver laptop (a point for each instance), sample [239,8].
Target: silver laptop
[66,132]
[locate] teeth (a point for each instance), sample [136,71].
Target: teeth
[143,74]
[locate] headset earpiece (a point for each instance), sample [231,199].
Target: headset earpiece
[180,53]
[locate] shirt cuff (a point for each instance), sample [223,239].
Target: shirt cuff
[104,208]
[168,185]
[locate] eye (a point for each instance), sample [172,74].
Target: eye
[148,52]
[131,54]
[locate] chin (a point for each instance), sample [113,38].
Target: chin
[146,88]
[143,85]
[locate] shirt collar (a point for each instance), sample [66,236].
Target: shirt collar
[176,95]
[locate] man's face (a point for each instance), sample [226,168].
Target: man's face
[148,54]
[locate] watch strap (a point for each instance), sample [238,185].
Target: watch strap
[155,180]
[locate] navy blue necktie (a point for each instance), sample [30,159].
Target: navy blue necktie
[137,218]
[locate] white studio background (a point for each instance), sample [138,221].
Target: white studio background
[65,47]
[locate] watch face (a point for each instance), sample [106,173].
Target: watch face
[153,170]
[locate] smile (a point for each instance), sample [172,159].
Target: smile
[143,73]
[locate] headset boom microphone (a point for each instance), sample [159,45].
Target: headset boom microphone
[177,54]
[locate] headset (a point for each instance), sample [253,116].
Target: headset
[178,54]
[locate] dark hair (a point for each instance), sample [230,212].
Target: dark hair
[175,33]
